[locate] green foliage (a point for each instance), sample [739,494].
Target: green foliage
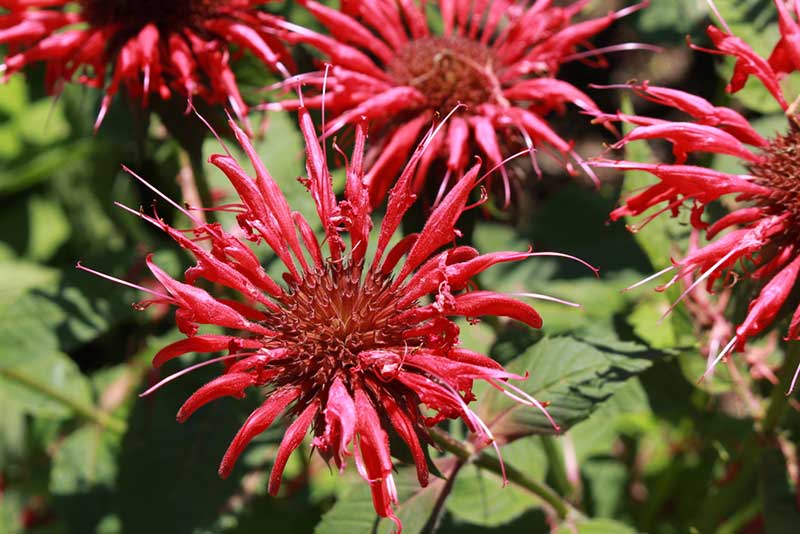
[642,446]
[575,383]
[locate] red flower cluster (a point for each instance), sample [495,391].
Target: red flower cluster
[498,59]
[147,46]
[345,347]
[763,231]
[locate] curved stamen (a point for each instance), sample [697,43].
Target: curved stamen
[188,370]
[123,282]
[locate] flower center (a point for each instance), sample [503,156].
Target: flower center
[780,171]
[447,70]
[141,12]
[331,316]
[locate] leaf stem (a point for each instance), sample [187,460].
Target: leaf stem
[467,453]
[89,413]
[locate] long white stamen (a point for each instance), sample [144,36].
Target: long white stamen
[697,282]
[594,269]
[322,109]
[442,188]
[613,48]
[527,399]
[724,352]
[794,381]
[649,278]
[211,129]
[529,150]
[139,214]
[548,298]
[180,208]
[716,12]
[189,369]
[123,282]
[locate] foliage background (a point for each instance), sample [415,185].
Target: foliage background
[647,450]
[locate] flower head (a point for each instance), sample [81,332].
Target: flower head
[497,60]
[762,232]
[350,345]
[147,46]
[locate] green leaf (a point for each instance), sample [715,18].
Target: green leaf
[606,482]
[84,467]
[11,506]
[676,16]
[12,428]
[42,307]
[416,503]
[647,324]
[45,383]
[40,165]
[354,513]
[479,498]
[778,497]
[168,469]
[595,526]
[574,376]
[36,227]
[627,412]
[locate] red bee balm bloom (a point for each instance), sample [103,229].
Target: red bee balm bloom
[345,347]
[499,59]
[154,46]
[763,231]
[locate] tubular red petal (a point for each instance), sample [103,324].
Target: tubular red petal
[747,63]
[440,226]
[291,440]
[407,432]
[765,307]
[347,30]
[197,306]
[204,343]
[340,423]
[227,385]
[478,303]
[259,421]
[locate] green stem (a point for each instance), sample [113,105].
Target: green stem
[730,497]
[466,453]
[89,413]
[555,461]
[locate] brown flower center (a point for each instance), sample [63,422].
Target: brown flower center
[447,70]
[137,13]
[330,317]
[780,171]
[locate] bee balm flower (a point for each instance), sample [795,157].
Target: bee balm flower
[148,46]
[762,233]
[498,59]
[350,345]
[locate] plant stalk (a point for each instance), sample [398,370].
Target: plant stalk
[90,413]
[466,453]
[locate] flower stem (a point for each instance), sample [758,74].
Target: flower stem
[466,453]
[89,413]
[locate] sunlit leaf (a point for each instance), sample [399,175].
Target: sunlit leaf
[575,377]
